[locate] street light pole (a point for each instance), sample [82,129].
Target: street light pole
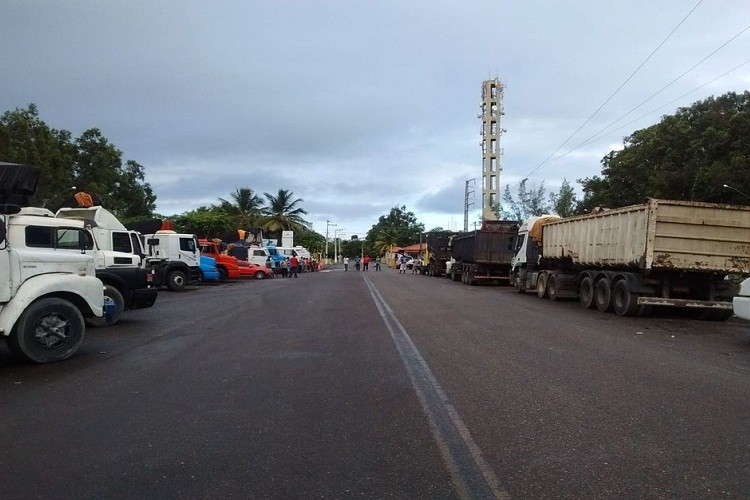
[337,243]
[328,224]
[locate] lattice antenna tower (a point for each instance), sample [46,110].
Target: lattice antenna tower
[491,111]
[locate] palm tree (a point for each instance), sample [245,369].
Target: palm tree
[283,213]
[246,207]
[386,238]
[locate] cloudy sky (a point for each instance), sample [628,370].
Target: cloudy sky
[360,106]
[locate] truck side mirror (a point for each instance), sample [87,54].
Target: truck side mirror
[512,243]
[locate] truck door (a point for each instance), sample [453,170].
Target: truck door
[4,265]
[188,252]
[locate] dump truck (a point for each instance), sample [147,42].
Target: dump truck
[438,253]
[627,260]
[484,255]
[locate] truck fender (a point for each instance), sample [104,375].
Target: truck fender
[634,282]
[87,289]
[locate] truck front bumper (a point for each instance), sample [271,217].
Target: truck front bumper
[741,307]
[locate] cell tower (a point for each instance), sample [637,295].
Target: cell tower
[492,110]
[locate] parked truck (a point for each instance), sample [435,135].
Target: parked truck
[660,253]
[227,265]
[175,258]
[117,256]
[46,293]
[484,255]
[438,253]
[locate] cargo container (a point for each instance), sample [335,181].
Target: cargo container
[437,254]
[484,255]
[660,253]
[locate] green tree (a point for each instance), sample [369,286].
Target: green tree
[400,227]
[283,213]
[686,156]
[531,202]
[315,242]
[25,138]
[206,222]
[565,201]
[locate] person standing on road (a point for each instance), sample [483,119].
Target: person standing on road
[283,266]
[346,263]
[402,264]
[293,266]
[356,262]
[377,263]
[366,262]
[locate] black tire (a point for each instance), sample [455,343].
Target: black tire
[552,291]
[624,302]
[603,295]
[49,330]
[259,275]
[541,287]
[586,293]
[176,280]
[113,295]
[223,274]
[520,288]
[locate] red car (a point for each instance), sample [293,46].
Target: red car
[248,269]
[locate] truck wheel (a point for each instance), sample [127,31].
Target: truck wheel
[517,283]
[541,287]
[552,291]
[176,280]
[586,293]
[603,295]
[223,274]
[259,275]
[49,330]
[624,302]
[111,295]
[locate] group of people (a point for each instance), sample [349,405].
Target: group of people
[293,265]
[364,263]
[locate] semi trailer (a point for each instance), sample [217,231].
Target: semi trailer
[627,260]
[484,255]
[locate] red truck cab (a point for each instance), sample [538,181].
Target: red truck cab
[226,264]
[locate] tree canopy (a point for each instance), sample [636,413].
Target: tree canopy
[90,163]
[690,155]
[399,228]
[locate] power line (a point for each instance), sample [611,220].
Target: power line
[601,135]
[616,90]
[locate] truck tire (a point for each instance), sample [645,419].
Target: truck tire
[176,280]
[259,275]
[552,291]
[603,295]
[223,274]
[49,330]
[586,293]
[624,302]
[113,295]
[541,287]
[517,283]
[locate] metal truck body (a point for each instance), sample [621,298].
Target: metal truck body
[484,255]
[663,253]
[175,258]
[438,253]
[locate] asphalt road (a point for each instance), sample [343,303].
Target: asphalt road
[342,384]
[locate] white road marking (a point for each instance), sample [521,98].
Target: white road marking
[470,473]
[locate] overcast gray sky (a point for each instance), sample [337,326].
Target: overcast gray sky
[357,106]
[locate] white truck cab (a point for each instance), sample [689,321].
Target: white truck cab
[48,285]
[175,257]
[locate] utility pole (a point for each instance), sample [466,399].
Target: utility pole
[328,223]
[468,201]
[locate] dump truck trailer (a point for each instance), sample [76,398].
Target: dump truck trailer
[484,255]
[438,253]
[660,253]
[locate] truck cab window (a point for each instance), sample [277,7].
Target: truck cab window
[187,245]
[136,241]
[39,236]
[121,242]
[67,238]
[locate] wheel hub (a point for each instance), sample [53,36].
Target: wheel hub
[51,331]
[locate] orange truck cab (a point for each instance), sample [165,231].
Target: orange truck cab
[227,265]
